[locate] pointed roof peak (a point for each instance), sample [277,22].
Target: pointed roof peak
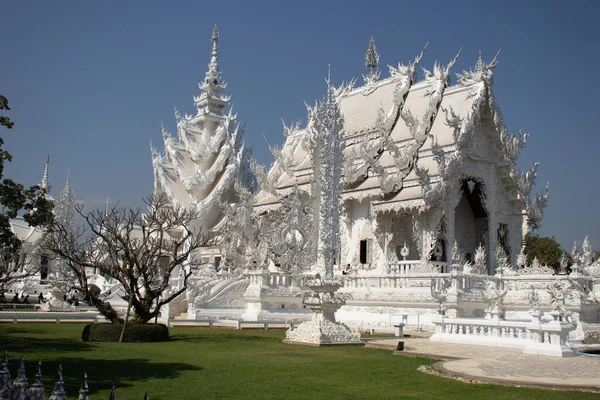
[45,179]
[213,66]
[480,65]
[215,34]
[330,90]
[372,56]
[212,85]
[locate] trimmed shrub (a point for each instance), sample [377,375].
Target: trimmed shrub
[137,333]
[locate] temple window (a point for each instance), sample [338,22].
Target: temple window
[163,263]
[365,251]
[43,268]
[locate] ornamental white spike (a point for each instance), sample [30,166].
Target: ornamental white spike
[420,56]
[215,38]
[453,61]
[372,56]
[480,64]
[64,208]
[494,62]
[45,180]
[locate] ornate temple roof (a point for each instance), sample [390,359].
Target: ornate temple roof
[202,161]
[403,136]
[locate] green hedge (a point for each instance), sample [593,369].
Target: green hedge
[133,333]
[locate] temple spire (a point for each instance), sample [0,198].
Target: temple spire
[371,62]
[372,56]
[64,208]
[68,183]
[215,38]
[211,101]
[480,66]
[45,180]
[212,81]
[329,87]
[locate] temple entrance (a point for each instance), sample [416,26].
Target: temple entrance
[471,218]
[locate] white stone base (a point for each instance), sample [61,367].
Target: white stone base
[322,333]
[542,349]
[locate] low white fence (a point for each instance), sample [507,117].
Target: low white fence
[534,337]
[16,306]
[464,281]
[231,323]
[34,316]
[414,266]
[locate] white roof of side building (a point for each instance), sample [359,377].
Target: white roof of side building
[29,235]
[360,109]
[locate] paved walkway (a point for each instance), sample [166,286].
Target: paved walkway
[500,365]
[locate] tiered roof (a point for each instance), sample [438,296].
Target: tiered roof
[199,165]
[403,136]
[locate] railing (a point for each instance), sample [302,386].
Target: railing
[391,281]
[14,306]
[533,337]
[16,316]
[464,281]
[405,267]
[232,323]
[264,277]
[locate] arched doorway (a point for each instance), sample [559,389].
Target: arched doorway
[471,217]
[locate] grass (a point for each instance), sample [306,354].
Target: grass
[226,364]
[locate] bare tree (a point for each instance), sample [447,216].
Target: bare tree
[146,252]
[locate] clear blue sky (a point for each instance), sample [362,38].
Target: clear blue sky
[91,82]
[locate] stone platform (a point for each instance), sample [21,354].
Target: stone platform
[500,365]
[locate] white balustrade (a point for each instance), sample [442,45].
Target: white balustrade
[533,337]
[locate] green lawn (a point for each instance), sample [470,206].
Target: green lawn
[226,364]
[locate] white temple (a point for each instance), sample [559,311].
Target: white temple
[427,164]
[32,254]
[431,216]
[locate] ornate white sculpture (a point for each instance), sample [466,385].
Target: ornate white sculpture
[559,292]
[291,241]
[479,262]
[325,128]
[64,209]
[502,262]
[534,304]
[587,256]
[200,165]
[564,263]
[439,291]
[456,256]
[404,251]
[536,268]
[371,62]
[240,233]
[494,293]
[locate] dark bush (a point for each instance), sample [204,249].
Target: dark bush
[133,333]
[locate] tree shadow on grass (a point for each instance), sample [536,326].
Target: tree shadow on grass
[207,335]
[101,373]
[18,342]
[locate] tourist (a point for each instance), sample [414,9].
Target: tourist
[41,299]
[347,270]
[15,299]
[26,299]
